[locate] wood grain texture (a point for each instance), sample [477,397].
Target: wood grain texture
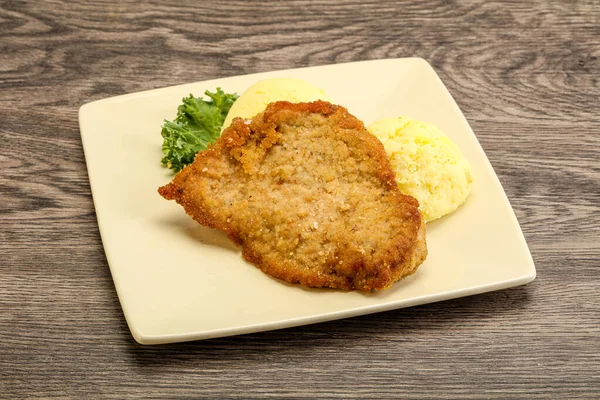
[526,75]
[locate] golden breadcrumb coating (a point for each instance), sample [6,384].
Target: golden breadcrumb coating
[310,197]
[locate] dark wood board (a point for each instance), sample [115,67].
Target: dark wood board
[525,74]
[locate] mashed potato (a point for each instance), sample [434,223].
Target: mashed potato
[428,165]
[255,99]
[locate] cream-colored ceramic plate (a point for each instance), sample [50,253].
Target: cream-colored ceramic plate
[179,281]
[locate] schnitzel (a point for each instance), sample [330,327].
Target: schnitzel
[310,197]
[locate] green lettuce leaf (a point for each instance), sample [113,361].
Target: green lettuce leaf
[197,125]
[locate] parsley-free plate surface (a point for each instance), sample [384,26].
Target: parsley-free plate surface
[179,281]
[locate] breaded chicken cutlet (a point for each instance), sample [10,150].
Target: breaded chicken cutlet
[310,197]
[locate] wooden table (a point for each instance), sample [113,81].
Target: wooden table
[527,77]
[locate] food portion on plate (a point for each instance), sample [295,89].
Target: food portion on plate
[256,98]
[310,197]
[309,194]
[428,165]
[198,124]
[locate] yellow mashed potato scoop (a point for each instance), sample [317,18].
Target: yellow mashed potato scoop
[256,98]
[428,165]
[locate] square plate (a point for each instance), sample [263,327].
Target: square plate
[179,281]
